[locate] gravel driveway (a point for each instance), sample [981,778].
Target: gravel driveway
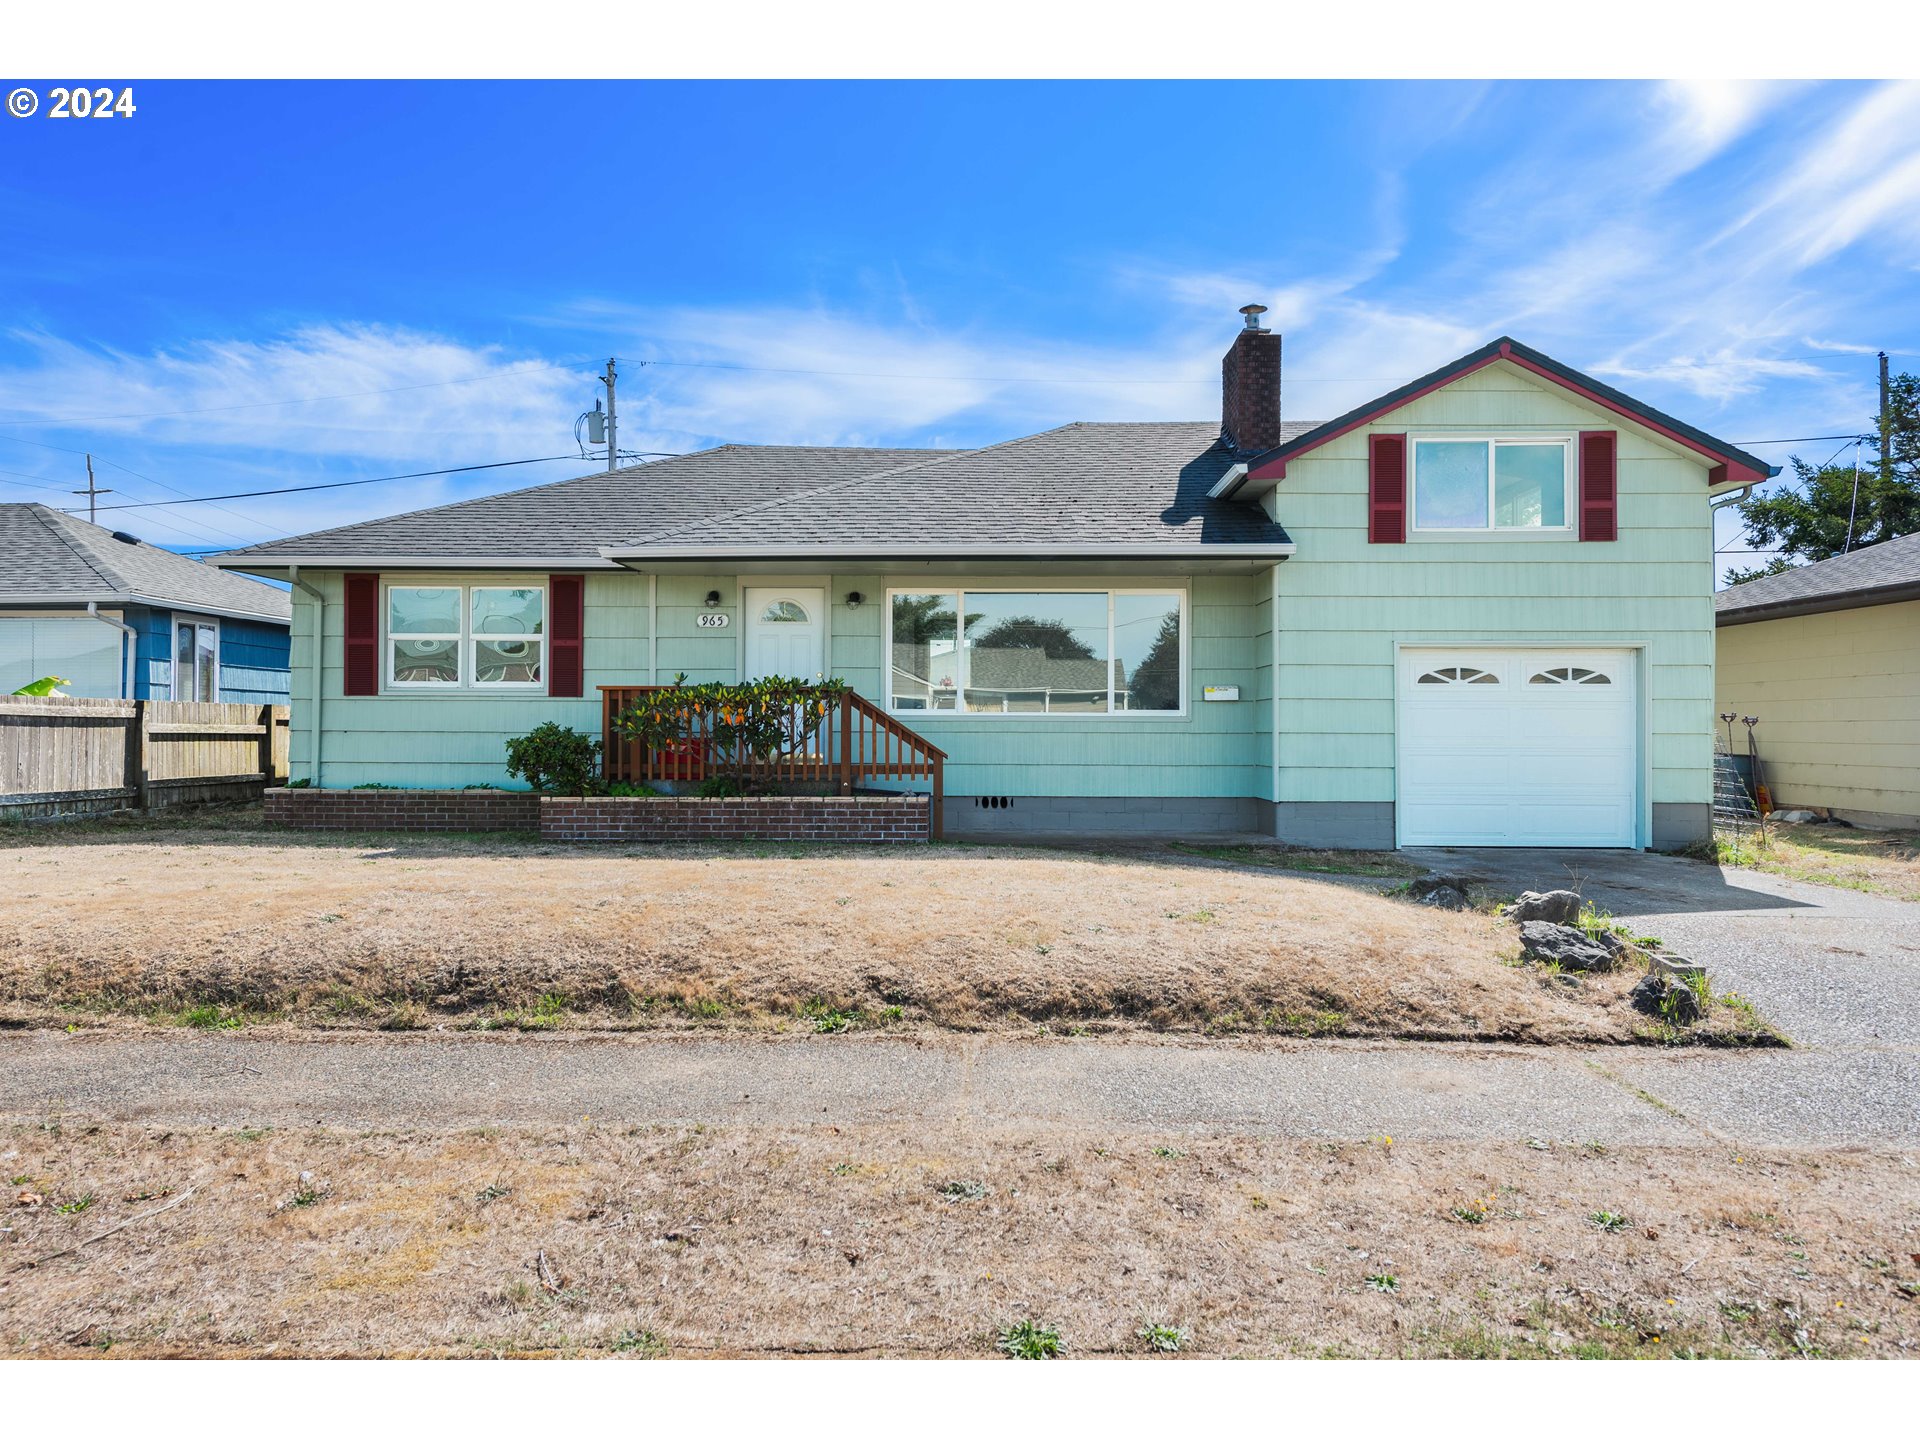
[1838,971]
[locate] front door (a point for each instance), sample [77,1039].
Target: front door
[786,633]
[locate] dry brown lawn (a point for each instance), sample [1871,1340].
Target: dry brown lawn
[1881,862]
[222,927]
[689,1241]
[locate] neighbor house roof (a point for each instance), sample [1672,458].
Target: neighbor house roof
[51,558]
[1085,488]
[566,523]
[1876,575]
[1729,462]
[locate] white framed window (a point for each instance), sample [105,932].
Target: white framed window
[196,659]
[1489,484]
[465,637]
[1037,651]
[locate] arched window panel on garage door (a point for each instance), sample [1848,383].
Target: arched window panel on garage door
[1570,675]
[1458,675]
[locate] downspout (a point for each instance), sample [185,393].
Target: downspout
[127,655]
[1273,689]
[319,668]
[653,628]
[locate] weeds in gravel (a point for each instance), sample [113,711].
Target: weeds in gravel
[77,1206]
[1608,1221]
[957,1190]
[1028,1340]
[1385,1283]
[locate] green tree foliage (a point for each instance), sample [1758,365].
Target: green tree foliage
[1806,521]
[1024,632]
[1155,682]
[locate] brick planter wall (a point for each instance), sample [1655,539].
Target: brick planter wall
[404,809]
[850,819]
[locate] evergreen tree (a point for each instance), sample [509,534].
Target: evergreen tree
[1807,520]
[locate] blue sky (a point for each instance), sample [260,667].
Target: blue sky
[965,262]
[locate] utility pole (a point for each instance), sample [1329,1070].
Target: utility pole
[93,491]
[1886,430]
[613,432]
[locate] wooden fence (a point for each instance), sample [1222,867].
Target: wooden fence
[70,757]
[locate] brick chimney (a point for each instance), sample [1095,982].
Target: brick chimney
[1250,386]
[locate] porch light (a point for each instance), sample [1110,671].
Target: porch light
[713,599]
[855,599]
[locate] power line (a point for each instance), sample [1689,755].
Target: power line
[370,480]
[296,400]
[1802,439]
[208,530]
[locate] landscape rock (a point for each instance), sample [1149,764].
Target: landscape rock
[1556,907]
[1678,966]
[1665,998]
[1442,892]
[1565,946]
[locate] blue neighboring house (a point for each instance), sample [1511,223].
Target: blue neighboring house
[122,619]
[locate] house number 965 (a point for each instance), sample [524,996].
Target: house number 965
[711,620]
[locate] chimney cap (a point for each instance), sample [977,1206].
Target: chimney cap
[1253,314]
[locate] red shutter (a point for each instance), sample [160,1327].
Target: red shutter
[1599,490]
[362,659]
[1386,489]
[566,634]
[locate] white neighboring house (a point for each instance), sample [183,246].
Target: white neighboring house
[121,619]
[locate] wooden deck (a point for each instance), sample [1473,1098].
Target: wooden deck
[854,743]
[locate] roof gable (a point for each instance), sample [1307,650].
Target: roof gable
[1728,463]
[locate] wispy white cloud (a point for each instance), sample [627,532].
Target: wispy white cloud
[359,391]
[1704,117]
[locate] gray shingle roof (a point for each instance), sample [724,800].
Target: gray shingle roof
[1120,484]
[1872,576]
[46,555]
[569,520]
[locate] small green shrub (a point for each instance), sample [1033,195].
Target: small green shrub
[721,787]
[1028,1340]
[628,790]
[1168,1339]
[555,759]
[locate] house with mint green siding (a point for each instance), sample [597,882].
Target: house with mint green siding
[1475,611]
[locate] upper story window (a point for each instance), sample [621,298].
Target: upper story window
[1490,484]
[1037,652]
[474,637]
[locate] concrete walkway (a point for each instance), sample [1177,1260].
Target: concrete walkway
[1838,971]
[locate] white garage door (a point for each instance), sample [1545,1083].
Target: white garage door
[1518,747]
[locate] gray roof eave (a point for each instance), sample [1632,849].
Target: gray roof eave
[1821,604]
[152,602]
[959,551]
[258,561]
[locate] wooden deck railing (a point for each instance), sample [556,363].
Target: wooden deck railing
[854,743]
